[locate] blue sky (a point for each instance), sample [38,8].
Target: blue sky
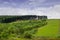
[51,8]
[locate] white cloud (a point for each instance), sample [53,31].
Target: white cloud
[12,11]
[36,2]
[51,12]
[54,12]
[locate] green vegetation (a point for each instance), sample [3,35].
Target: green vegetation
[29,29]
[20,29]
[49,30]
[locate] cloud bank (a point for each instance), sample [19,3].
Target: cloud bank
[51,12]
[51,8]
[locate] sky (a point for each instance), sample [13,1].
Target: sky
[50,8]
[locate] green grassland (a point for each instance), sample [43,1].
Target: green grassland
[14,30]
[49,30]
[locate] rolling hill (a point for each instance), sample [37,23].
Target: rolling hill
[49,30]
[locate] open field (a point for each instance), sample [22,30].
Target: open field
[12,30]
[51,29]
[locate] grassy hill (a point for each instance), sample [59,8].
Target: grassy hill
[14,30]
[49,30]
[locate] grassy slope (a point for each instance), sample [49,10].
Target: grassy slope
[51,29]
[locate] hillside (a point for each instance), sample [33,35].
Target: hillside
[20,29]
[49,30]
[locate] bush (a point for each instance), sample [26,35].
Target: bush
[22,28]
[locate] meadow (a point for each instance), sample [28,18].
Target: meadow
[51,29]
[30,29]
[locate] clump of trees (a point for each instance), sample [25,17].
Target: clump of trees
[8,19]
